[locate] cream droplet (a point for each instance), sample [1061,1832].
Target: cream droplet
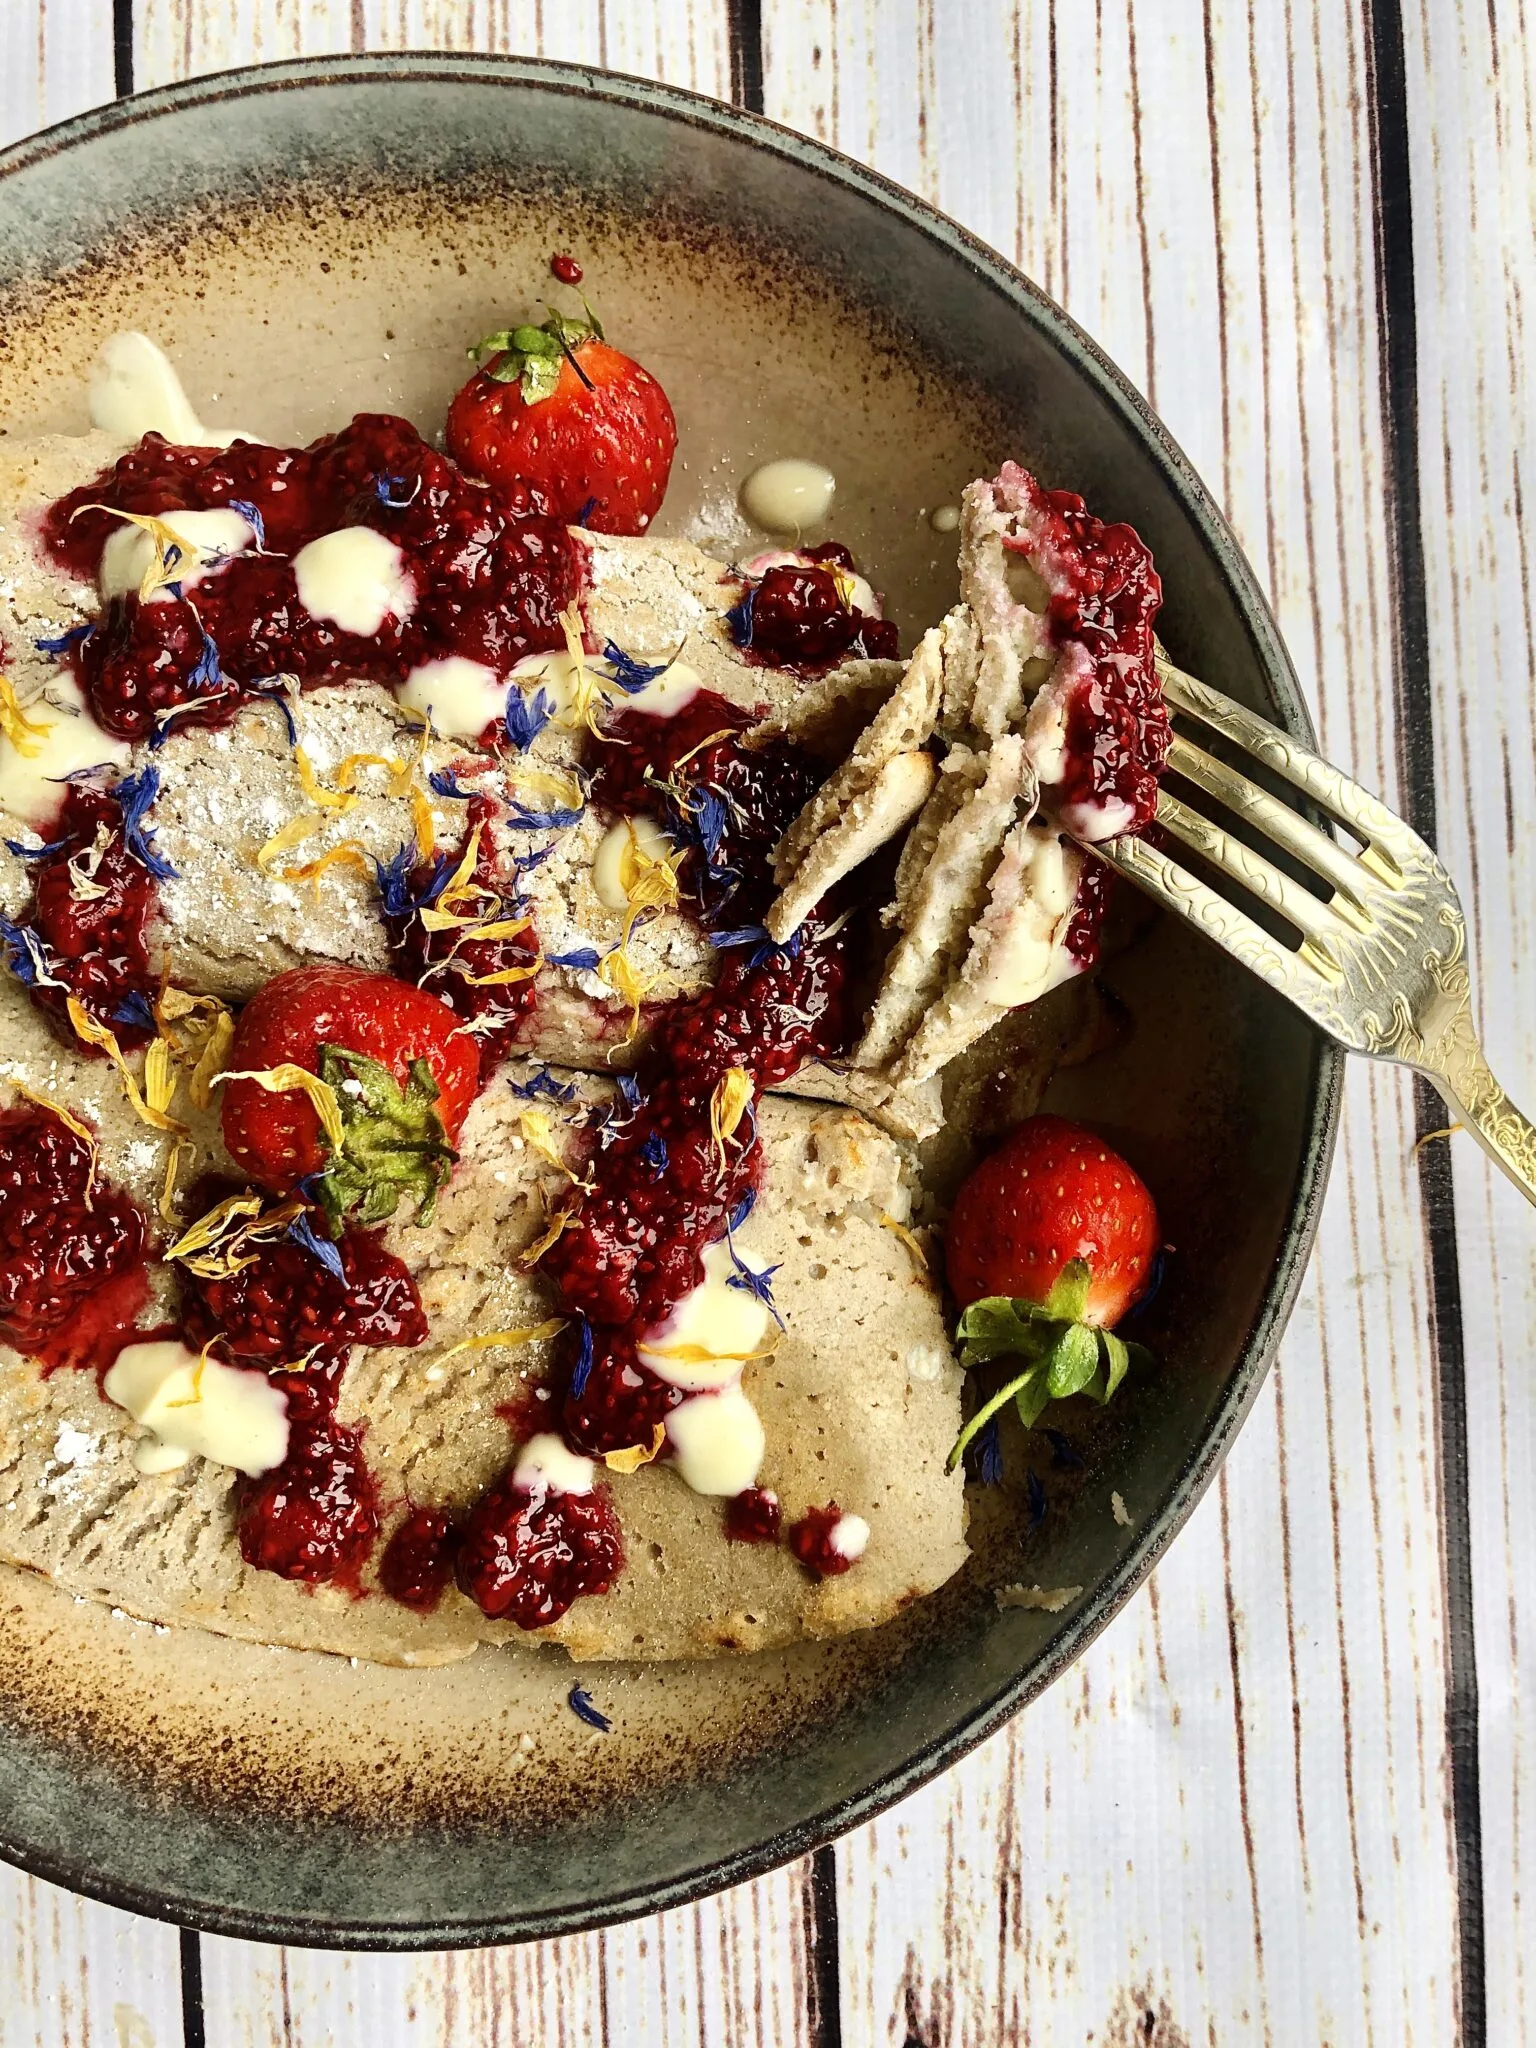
[944,518]
[788,495]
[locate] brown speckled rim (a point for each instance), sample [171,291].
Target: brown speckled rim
[1324,1083]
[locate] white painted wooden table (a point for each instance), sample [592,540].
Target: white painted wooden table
[1290,1796]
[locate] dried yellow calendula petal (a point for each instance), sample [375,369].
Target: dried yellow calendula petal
[92,1032]
[315,790]
[214,1223]
[558,1224]
[909,1238]
[288,836]
[350,854]
[210,1060]
[502,1340]
[636,1455]
[728,1105]
[25,734]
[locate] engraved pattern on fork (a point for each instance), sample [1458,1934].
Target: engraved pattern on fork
[1381,965]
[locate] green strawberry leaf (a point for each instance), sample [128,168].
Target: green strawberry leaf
[999,1327]
[1072,1360]
[533,356]
[392,1144]
[1056,1354]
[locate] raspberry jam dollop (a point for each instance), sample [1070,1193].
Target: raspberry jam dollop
[753,1516]
[810,1539]
[525,1556]
[1084,935]
[795,616]
[314,1517]
[491,573]
[418,1559]
[463,971]
[93,900]
[73,1271]
[1118,734]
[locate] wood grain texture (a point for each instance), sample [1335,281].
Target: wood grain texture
[1231,1814]
[55,60]
[1230,1822]
[1471,95]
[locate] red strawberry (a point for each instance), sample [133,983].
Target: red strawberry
[1050,1241]
[401,1079]
[558,408]
[1053,1192]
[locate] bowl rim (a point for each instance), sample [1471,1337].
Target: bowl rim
[1261,1341]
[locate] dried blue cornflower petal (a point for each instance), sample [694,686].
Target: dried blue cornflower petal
[582,1371]
[758,1285]
[764,945]
[543,1082]
[1034,1497]
[580,1704]
[1155,1280]
[585,513]
[25,955]
[629,1089]
[302,1232]
[444,782]
[251,514]
[1064,1453]
[164,720]
[275,691]
[989,1455]
[630,674]
[135,795]
[85,774]
[653,1151]
[394,878]
[739,617]
[527,717]
[207,674]
[586,958]
[134,1009]
[75,637]
[742,1210]
[556,820]
[388,490]
[35,852]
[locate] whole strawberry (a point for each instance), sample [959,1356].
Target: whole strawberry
[355,1084]
[558,408]
[1051,1240]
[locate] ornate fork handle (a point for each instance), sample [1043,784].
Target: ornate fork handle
[1456,1066]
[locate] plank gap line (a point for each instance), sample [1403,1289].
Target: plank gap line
[1387,101]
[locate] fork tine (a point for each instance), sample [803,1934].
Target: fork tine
[1311,917]
[1278,822]
[1390,844]
[1215,918]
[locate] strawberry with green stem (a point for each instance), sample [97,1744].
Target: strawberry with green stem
[350,1087]
[558,407]
[1051,1241]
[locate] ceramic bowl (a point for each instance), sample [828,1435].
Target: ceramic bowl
[313,239]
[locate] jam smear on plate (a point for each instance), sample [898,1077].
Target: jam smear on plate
[491,573]
[524,1556]
[314,1517]
[795,616]
[93,900]
[73,1271]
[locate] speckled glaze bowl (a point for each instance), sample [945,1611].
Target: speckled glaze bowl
[316,238]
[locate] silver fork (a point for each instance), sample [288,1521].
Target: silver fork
[1380,964]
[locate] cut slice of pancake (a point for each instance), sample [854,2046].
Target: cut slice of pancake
[860,1403]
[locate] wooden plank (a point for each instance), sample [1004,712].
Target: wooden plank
[1471,94]
[185,38]
[73,1973]
[55,60]
[1265,1726]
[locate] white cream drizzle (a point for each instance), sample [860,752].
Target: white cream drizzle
[545,1465]
[200,1408]
[135,391]
[354,578]
[462,696]
[717,1442]
[788,494]
[32,784]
